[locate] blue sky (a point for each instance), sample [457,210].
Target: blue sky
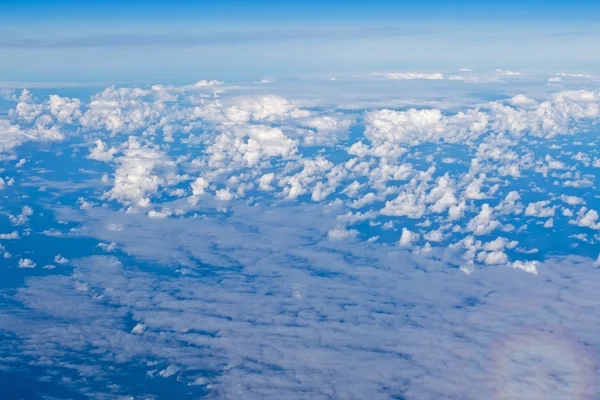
[311,9]
[182,40]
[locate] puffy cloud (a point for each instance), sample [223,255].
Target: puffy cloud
[199,186]
[510,204]
[527,266]
[60,259]
[442,195]
[414,126]
[224,194]
[473,190]
[587,218]
[522,100]
[102,152]
[499,243]
[249,145]
[510,170]
[557,116]
[64,109]
[539,209]
[328,128]
[342,233]
[406,204]
[266,181]
[10,236]
[313,170]
[26,263]
[246,109]
[141,172]
[435,236]
[493,257]
[407,238]
[22,218]
[12,136]
[484,222]
[571,200]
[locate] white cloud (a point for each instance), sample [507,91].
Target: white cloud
[493,257]
[22,218]
[102,152]
[169,371]
[141,172]
[407,238]
[484,222]
[410,75]
[571,200]
[342,233]
[199,186]
[9,236]
[406,204]
[60,259]
[249,145]
[587,218]
[224,194]
[527,266]
[540,209]
[26,263]
[12,136]
[266,181]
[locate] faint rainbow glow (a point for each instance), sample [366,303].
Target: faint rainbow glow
[538,365]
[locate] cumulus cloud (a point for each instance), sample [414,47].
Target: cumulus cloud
[407,238]
[540,209]
[12,136]
[484,222]
[587,218]
[26,263]
[141,171]
[102,152]
[9,236]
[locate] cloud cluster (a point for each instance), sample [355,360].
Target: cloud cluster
[265,247]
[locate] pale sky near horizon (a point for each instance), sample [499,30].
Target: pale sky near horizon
[183,41]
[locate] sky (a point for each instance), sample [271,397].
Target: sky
[307,200]
[147,41]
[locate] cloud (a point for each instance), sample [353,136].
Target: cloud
[12,136]
[226,323]
[101,152]
[540,209]
[26,263]
[410,75]
[587,218]
[9,236]
[484,222]
[141,171]
[241,232]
